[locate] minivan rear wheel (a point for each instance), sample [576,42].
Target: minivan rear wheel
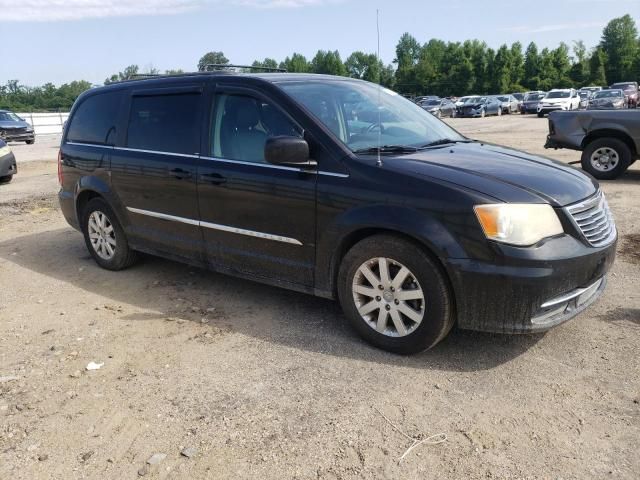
[394,295]
[104,236]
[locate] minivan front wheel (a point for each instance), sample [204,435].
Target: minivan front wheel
[394,295]
[104,236]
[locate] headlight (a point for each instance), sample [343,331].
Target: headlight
[4,151]
[518,224]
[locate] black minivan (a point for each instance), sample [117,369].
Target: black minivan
[339,188]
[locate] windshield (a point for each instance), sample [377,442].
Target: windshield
[583,94]
[558,95]
[534,97]
[431,102]
[9,117]
[608,94]
[519,96]
[503,98]
[474,100]
[362,115]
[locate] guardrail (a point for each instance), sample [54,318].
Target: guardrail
[46,123]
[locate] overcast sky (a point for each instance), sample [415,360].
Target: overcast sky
[62,40]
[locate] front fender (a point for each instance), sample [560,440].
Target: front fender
[359,222]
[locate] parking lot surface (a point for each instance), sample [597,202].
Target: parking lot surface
[259,382]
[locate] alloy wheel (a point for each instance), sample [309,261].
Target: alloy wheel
[102,235]
[388,297]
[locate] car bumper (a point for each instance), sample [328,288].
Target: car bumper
[17,137]
[474,114]
[530,290]
[68,207]
[550,109]
[8,165]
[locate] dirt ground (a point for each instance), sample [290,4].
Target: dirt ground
[259,382]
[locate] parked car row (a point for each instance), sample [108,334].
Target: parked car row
[618,95]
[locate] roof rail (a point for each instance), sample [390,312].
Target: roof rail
[223,66]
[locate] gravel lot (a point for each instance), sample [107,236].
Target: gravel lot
[260,382]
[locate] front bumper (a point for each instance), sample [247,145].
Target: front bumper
[550,108]
[470,114]
[529,289]
[9,136]
[8,165]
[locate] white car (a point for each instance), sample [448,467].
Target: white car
[559,99]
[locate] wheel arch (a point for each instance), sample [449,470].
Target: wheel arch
[421,230]
[611,133]
[90,187]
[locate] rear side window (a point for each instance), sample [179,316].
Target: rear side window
[165,123]
[94,121]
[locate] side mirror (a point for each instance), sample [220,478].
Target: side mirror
[284,150]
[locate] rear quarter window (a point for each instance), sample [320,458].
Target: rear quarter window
[165,123]
[94,121]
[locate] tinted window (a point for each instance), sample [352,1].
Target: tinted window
[165,123]
[94,121]
[242,125]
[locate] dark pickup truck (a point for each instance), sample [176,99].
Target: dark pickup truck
[609,139]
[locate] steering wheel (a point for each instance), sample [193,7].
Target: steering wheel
[374,126]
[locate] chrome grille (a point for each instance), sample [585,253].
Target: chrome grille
[594,220]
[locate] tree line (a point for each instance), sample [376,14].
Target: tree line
[435,67]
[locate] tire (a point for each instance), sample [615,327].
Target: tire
[6,179]
[605,145]
[30,142]
[435,306]
[122,256]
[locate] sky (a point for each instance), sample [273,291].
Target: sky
[60,41]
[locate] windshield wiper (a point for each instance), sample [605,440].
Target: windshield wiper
[388,149]
[444,141]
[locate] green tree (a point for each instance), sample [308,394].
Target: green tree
[476,52]
[579,72]
[501,76]
[532,61]
[127,74]
[516,67]
[597,71]
[548,74]
[211,58]
[329,63]
[407,55]
[562,65]
[365,66]
[296,64]
[267,63]
[620,44]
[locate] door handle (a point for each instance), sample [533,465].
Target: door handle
[180,174]
[213,178]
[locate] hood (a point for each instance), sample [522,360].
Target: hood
[473,105]
[12,124]
[502,173]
